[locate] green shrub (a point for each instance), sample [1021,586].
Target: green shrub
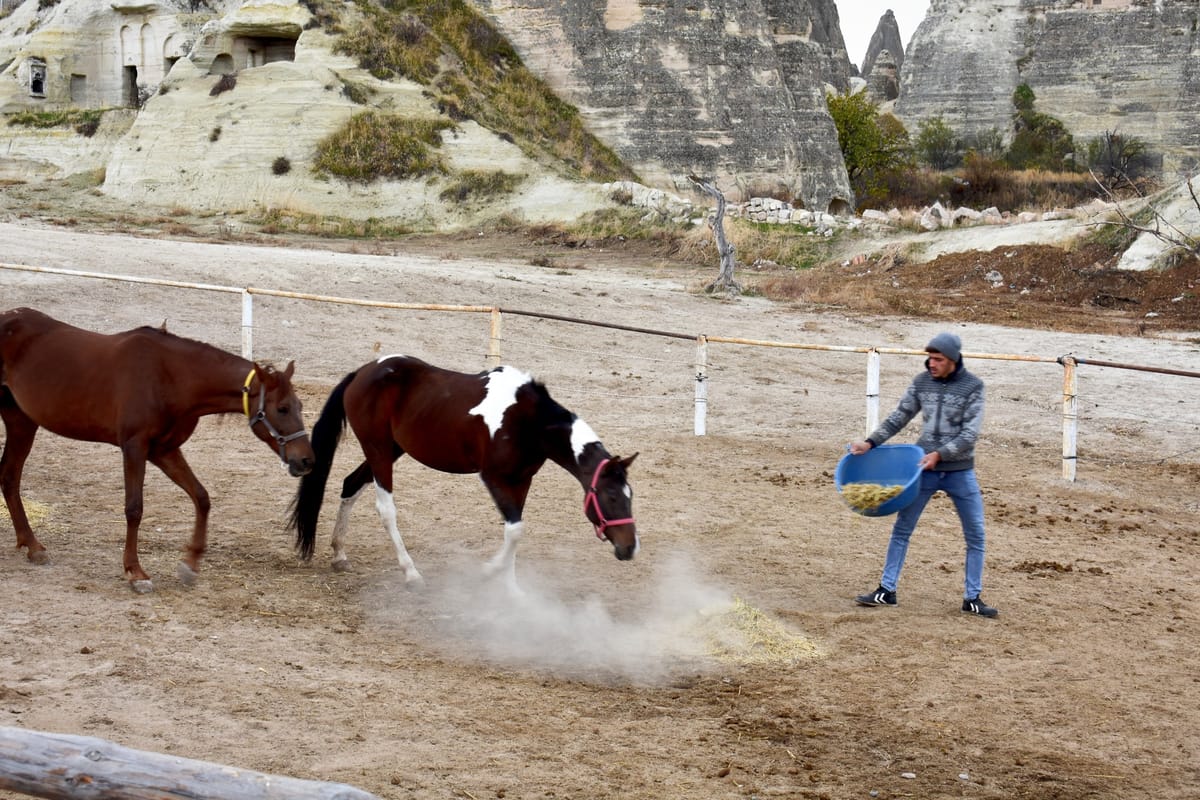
[85,121]
[1116,158]
[372,145]
[936,144]
[873,145]
[1040,141]
[474,73]
[479,184]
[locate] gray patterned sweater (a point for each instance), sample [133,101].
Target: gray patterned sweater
[952,413]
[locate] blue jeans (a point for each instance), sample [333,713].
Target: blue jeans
[962,487]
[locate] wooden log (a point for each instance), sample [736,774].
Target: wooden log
[65,767]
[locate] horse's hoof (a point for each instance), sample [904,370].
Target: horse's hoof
[342,565]
[187,575]
[144,586]
[39,557]
[414,582]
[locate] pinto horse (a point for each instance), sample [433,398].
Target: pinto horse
[500,424]
[144,391]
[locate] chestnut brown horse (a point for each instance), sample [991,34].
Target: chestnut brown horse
[144,391]
[500,424]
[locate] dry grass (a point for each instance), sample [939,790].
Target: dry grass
[742,634]
[372,145]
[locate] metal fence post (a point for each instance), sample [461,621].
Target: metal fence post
[1070,415]
[247,325]
[872,391]
[701,385]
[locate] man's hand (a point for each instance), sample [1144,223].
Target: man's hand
[930,460]
[858,448]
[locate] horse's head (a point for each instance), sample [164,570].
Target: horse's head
[278,421]
[608,505]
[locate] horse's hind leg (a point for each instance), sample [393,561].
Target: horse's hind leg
[352,487]
[20,431]
[135,478]
[385,504]
[380,458]
[175,467]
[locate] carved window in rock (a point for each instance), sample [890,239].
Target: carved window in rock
[173,49]
[79,89]
[129,47]
[222,65]
[37,78]
[129,87]
[254,51]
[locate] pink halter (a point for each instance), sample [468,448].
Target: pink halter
[590,499]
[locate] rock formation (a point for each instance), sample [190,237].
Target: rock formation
[1124,65]
[734,91]
[883,83]
[886,37]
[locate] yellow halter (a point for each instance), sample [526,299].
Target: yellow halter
[246,394]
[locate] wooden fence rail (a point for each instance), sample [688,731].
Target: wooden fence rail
[1070,400]
[65,767]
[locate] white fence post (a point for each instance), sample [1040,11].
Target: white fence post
[701,384]
[1070,413]
[872,391]
[247,325]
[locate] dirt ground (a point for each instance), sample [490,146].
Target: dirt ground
[634,679]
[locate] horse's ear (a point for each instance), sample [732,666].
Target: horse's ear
[266,374]
[625,462]
[163,327]
[291,369]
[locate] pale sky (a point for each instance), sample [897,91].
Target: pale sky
[860,17]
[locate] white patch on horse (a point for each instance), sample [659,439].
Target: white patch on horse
[501,392]
[581,436]
[382,359]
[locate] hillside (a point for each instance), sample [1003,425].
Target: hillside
[1038,275]
[423,115]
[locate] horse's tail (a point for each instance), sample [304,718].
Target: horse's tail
[325,435]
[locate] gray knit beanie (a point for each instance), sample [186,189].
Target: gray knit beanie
[947,344]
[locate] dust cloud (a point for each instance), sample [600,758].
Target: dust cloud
[626,638]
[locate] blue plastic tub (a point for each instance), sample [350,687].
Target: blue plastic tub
[886,465]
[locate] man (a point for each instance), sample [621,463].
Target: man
[950,400]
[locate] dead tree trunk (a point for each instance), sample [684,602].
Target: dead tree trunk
[65,767]
[725,281]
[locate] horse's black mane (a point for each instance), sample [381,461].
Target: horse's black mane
[548,408]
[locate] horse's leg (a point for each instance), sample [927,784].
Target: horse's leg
[134,456]
[175,467]
[352,487]
[510,500]
[20,431]
[380,458]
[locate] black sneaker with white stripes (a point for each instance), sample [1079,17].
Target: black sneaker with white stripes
[879,597]
[979,608]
